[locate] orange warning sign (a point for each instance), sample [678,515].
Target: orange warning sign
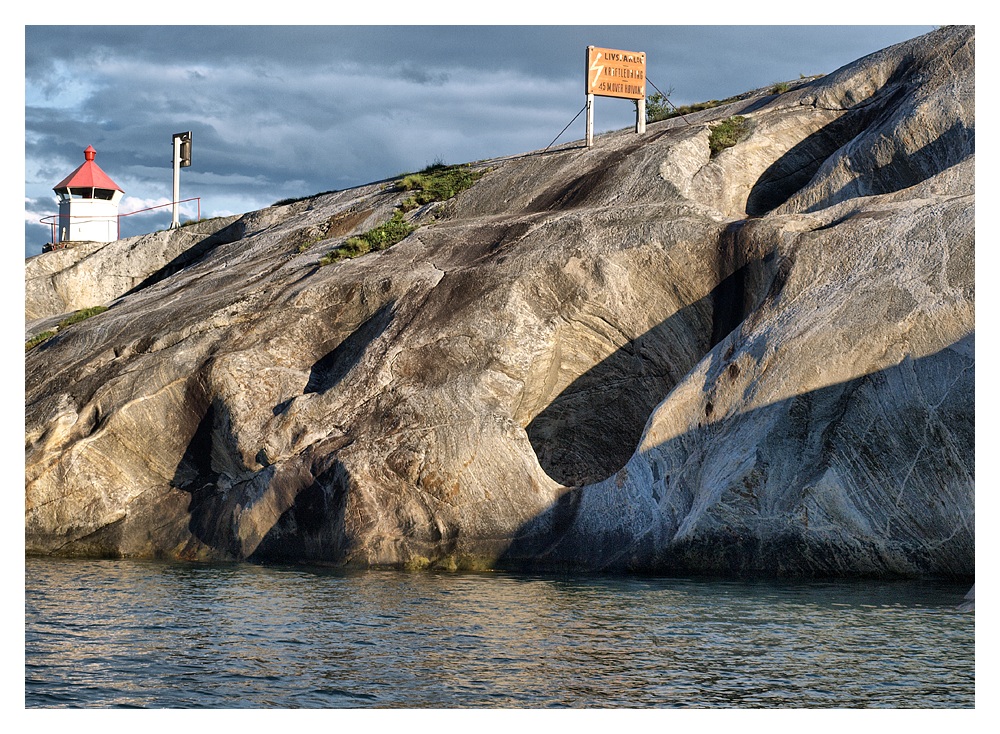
[614,73]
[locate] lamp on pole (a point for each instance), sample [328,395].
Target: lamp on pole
[182,159]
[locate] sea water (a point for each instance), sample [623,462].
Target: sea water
[125,633]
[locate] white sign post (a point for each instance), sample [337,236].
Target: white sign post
[590,120]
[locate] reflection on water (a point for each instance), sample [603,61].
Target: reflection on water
[129,633]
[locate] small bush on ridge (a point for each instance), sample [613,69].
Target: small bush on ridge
[81,315]
[38,339]
[437,182]
[728,133]
[74,318]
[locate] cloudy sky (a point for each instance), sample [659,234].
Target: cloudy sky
[286,111]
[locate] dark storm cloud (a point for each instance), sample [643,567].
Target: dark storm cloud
[290,111]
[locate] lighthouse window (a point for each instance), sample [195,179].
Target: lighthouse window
[104,194]
[87,193]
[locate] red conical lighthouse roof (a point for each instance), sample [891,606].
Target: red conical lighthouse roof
[88,175]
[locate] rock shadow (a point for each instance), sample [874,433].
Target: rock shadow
[906,170]
[222,488]
[793,171]
[589,430]
[313,526]
[327,372]
[819,460]
[223,491]
[198,474]
[796,168]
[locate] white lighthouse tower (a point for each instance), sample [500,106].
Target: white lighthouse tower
[88,203]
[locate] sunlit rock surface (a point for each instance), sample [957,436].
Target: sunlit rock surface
[636,356]
[86,274]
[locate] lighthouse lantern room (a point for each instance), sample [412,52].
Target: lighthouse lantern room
[88,203]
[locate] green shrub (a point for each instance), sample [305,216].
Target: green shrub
[74,318]
[81,315]
[385,235]
[780,88]
[38,339]
[728,133]
[329,258]
[349,248]
[437,182]
[658,108]
[380,238]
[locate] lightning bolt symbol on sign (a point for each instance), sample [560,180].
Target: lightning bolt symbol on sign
[595,67]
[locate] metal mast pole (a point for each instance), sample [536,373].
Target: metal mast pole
[177,182]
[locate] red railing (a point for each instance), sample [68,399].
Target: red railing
[53,219]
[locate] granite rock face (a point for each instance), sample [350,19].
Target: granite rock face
[636,356]
[94,273]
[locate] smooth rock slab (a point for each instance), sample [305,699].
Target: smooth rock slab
[633,356]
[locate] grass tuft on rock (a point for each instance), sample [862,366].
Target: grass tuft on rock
[728,133]
[437,182]
[380,238]
[76,317]
[38,339]
[82,315]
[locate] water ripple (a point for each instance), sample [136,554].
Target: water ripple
[140,634]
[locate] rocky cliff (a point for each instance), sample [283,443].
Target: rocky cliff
[636,356]
[86,274]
